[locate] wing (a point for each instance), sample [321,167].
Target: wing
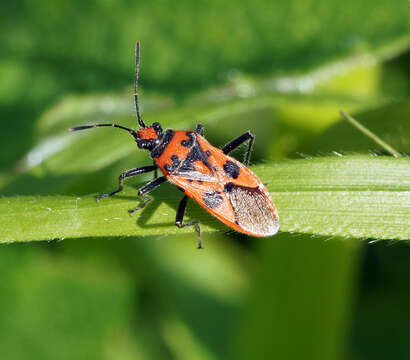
[254,211]
[208,194]
[228,190]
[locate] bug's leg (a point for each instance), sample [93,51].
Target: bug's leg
[199,129]
[156,170]
[146,189]
[180,217]
[127,174]
[237,142]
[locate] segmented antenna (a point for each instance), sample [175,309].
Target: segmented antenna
[137,69]
[83,127]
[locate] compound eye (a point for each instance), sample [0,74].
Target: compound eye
[143,144]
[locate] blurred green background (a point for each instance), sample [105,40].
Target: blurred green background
[282,69]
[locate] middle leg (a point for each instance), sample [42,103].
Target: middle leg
[146,189]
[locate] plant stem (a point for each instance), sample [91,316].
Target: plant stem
[370,134]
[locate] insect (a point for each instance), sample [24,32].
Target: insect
[222,185]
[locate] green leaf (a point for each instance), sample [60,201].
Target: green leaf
[268,38]
[44,296]
[388,121]
[264,36]
[301,300]
[352,196]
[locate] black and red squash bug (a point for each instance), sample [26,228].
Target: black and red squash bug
[219,183]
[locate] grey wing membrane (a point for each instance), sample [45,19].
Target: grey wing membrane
[253,210]
[196,176]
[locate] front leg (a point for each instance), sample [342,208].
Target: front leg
[127,174]
[156,170]
[146,189]
[239,141]
[180,217]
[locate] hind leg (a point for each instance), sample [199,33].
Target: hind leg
[239,141]
[180,217]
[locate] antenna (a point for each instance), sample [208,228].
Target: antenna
[137,68]
[83,127]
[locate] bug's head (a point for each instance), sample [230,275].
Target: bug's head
[149,137]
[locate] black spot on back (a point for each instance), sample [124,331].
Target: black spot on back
[175,164]
[231,169]
[208,153]
[190,141]
[195,154]
[228,187]
[212,199]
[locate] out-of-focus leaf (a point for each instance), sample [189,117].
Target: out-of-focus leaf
[206,285]
[181,290]
[382,303]
[277,36]
[97,108]
[301,300]
[351,196]
[390,122]
[296,38]
[58,308]
[91,160]
[183,342]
